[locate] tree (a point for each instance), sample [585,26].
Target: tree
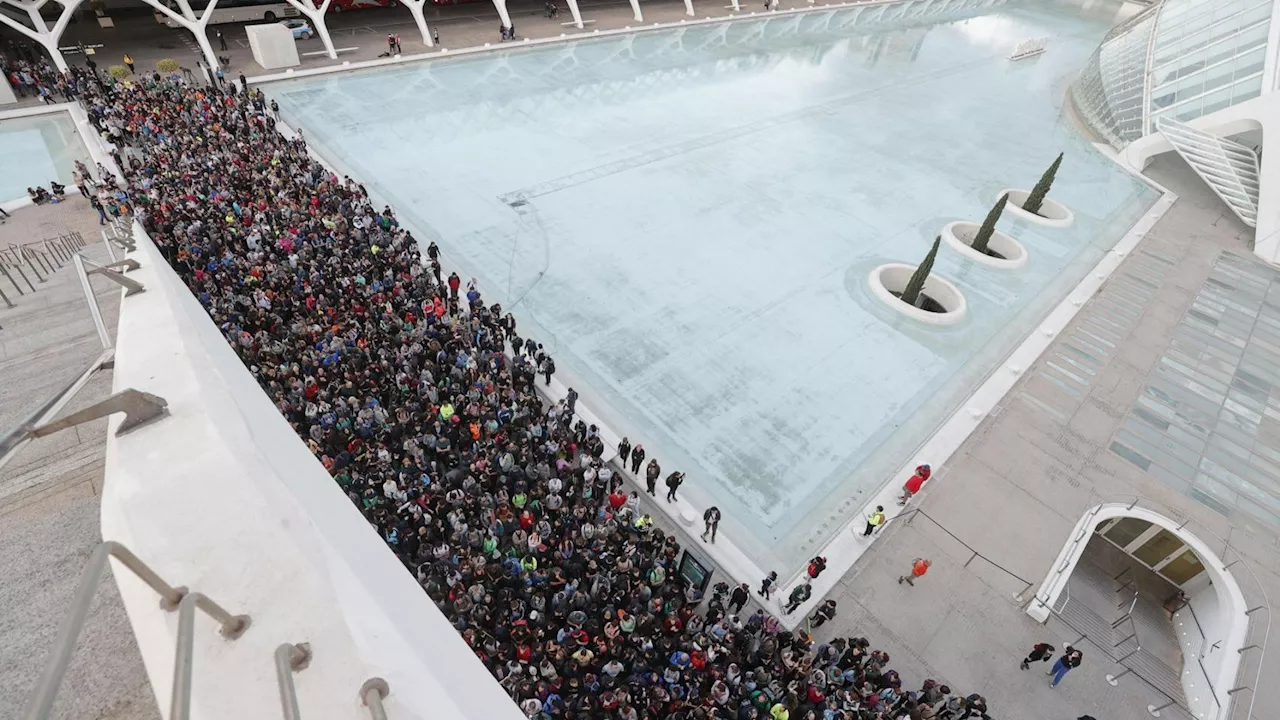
[989,225]
[1041,190]
[911,293]
[167,65]
[118,72]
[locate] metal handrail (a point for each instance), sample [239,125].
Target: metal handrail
[13,441]
[372,693]
[171,598]
[290,658]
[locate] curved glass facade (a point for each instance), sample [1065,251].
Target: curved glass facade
[1181,59]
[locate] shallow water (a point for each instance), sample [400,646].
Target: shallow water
[686,219]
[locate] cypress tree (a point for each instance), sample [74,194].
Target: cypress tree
[989,225]
[1041,190]
[912,292]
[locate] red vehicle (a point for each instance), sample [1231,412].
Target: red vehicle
[345,5]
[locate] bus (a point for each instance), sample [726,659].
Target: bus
[234,11]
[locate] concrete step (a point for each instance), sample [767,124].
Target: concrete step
[80,464]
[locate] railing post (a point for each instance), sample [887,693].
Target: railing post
[290,658]
[1154,711]
[372,693]
[1246,647]
[24,277]
[6,299]
[31,264]
[233,626]
[5,270]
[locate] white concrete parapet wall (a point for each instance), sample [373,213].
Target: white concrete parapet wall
[222,496]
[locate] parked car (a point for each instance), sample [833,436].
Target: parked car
[301,28]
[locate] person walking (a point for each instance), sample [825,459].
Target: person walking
[816,566]
[1041,651]
[767,585]
[624,449]
[637,457]
[435,36]
[651,473]
[826,611]
[673,484]
[548,368]
[1069,661]
[914,483]
[128,62]
[222,41]
[919,567]
[711,521]
[797,597]
[739,597]
[874,521]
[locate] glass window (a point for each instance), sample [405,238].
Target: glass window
[1126,530]
[1160,546]
[1182,568]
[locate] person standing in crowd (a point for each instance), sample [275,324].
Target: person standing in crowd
[914,483]
[637,457]
[624,451]
[1069,661]
[767,584]
[651,473]
[673,484]
[874,521]
[798,596]
[919,567]
[739,597]
[1041,651]
[825,612]
[710,521]
[572,399]
[548,368]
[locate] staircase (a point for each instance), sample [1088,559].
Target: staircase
[1135,635]
[1230,169]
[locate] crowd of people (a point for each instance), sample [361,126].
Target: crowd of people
[421,401]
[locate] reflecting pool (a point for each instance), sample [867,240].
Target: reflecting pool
[685,218]
[35,150]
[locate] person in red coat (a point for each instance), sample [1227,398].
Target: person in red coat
[914,483]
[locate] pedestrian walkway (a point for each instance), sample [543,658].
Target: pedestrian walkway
[1003,506]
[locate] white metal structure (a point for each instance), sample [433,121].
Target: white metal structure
[315,13]
[39,31]
[1230,169]
[186,18]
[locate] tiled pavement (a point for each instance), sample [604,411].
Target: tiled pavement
[1085,423]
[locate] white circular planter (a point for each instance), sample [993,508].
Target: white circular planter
[960,234]
[1052,213]
[893,278]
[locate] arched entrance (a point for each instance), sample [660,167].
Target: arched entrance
[1145,561]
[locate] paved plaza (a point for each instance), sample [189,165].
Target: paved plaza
[1019,484]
